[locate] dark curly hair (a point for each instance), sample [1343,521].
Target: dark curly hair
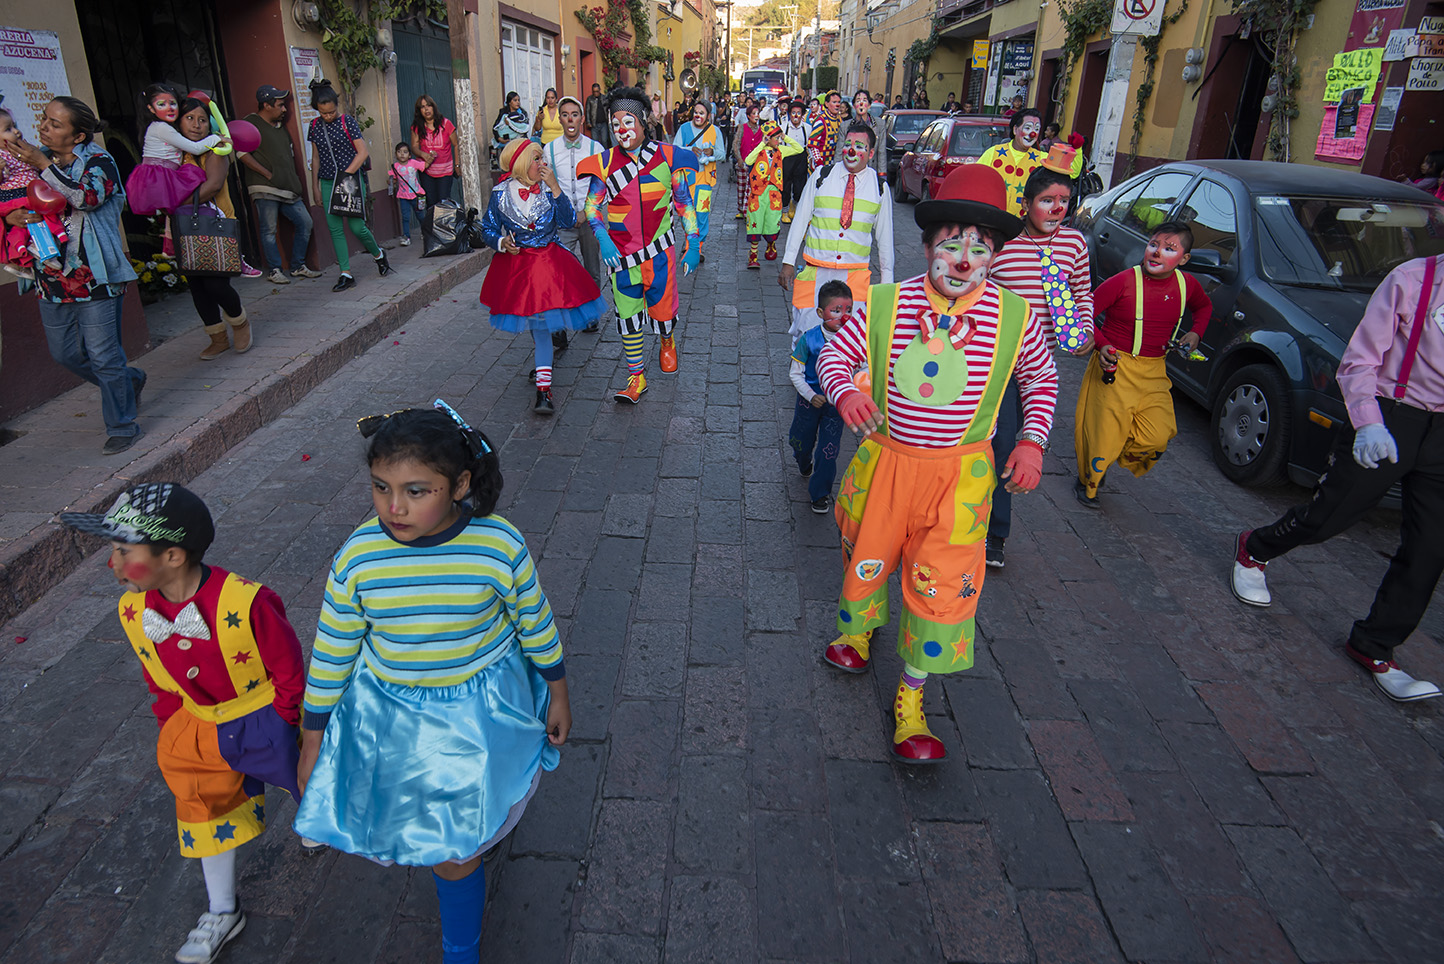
[433,439]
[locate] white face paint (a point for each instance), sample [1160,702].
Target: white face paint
[957,264]
[856,153]
[626,131]
[1028,132]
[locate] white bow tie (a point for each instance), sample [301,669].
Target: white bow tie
[187,623]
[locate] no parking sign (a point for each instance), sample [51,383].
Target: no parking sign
[1138,18]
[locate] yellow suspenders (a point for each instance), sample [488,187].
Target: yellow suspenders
[237,644]
[1138,306]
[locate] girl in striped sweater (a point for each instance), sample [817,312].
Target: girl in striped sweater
[436,692]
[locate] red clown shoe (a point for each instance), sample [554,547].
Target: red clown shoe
[849,652]
[912,741]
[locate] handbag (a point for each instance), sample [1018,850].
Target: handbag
[348,197]
[207,243]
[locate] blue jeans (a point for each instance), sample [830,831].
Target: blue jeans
[84,337]
[1005,436]
[267,212]
[819,429]
[409,206]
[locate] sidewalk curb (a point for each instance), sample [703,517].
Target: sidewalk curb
[34,563]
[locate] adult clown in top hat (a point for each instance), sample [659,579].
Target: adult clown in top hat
[939,349]
[634,180]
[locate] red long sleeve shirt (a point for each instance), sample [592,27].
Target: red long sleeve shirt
[276,646]
[1113,307]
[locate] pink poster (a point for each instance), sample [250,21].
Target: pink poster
[1348,149]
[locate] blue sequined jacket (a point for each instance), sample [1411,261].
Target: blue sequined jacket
[531,224]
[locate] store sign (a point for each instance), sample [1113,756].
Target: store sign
[1425,73]
[32,74]
[305,66]
[980,54]
[1373,21]
[1138,18]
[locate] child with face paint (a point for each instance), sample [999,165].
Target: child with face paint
[940,349]
[1046,265]
[437,692]
[816,433]
[1128,418]
[646,187]
[764,201]
[1018,158]
[844,208]
[227,672]
[160,183]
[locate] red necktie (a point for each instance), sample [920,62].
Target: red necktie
[847,199]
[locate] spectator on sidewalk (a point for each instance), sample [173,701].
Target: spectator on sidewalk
[1398,438]
[402,180]
[547,126]
[81,296]
[433,140]
[598,129]
[340,150]
[275,187]
[511,122]
[216,301]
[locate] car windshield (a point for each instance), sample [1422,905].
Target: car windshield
[1344,242]
[971,140]
[911,123]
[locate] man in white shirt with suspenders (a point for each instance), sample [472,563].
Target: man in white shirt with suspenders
[564,154]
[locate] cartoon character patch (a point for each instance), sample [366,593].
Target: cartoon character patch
[968,589]
[869,569]
[847,547]
[924,583]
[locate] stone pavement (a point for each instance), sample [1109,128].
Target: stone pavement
[1142,769]
[193,411]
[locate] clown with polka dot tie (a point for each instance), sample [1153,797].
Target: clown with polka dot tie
[1018,158]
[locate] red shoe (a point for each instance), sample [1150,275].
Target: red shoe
[667,358]
[752,261]
[636,385]
[771,250]
[849,652]
[912,741]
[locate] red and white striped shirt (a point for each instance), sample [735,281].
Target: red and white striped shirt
[1019,268]
[944,426]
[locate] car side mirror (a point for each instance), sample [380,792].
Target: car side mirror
[1210,261]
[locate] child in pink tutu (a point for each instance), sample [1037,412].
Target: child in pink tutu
[534,284]
[161,183]
[15,177]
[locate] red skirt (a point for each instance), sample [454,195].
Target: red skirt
[535,281]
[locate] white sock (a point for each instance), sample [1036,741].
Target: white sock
[220,871]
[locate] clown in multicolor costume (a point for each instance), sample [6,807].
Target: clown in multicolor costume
[226,669]
[764,201]
[939,349]
[1016,159]
[822,143]
[843,207]
[643,184]
[702,138]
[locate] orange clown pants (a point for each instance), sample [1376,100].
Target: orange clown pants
[216,808]
[926,509]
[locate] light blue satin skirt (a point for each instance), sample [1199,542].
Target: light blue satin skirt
[420,775]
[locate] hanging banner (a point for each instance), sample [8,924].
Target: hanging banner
[32,74]
[980,54]
[1388,108]
[1354,68]
[1425,73]
[1372,22]
[305,66]
[1351,149]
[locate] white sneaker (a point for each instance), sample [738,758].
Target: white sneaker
[305,272]
[1396,684]
[211,933]
[1249,584]
[310,846]
[278,277]
[405,242]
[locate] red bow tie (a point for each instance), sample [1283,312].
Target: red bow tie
[527,192]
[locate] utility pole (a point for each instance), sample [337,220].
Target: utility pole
[473,180]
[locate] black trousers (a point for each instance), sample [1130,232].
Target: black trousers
[211,295]
[1347,491]
[794,178]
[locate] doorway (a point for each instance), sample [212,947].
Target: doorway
[1090,92]
[1231,100]
[423,66]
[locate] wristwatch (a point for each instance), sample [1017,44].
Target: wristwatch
[1037,438]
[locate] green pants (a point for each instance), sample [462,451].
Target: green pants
[338,230]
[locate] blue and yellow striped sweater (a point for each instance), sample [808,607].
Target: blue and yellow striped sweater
[434,612]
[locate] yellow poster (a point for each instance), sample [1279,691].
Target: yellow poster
[1354,68]
[980,53]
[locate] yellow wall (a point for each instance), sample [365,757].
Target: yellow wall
[911,21]
[1315,50]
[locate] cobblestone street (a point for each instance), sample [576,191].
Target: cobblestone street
[1141,768]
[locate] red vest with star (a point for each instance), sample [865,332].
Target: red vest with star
[217,679]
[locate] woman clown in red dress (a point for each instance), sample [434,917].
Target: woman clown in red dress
[534,284]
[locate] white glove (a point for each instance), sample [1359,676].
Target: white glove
[1373,444]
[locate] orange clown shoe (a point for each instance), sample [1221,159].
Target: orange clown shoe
[912,741]
[667,355]
[849,652]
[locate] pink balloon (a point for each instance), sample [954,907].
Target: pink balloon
[244,135]
[44,199]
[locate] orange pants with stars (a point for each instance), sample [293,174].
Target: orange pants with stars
[926,510]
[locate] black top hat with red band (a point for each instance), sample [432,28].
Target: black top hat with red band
[972,194]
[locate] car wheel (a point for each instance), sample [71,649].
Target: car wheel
[1251,427]
[927,194]
[902,189]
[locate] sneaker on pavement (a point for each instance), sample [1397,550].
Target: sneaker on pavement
[211,933]
[406,242]
[1080,492]
[806,470]
[278,277]
[1248,582]
[248,272]
[993,552]
[312,847]
[820,506]
[1396,684]
[305,272]
[115,444]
